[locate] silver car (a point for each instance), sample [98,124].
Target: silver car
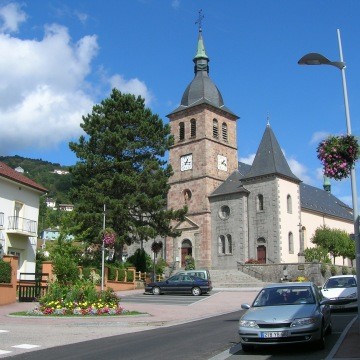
[286,313]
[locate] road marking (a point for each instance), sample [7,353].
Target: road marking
[25,346]
[227,353]
[3,352]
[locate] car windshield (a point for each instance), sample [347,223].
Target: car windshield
[340,282]
[285,295]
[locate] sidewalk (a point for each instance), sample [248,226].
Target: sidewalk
[61,331]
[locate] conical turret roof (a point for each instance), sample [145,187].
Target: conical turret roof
[269,159]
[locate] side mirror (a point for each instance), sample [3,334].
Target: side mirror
[245,306]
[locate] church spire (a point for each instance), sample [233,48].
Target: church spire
[201,60]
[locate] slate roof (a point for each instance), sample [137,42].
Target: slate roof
[319,200]
[270,160]
[8,173]
[201,89]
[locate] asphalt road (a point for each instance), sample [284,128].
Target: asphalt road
[212,338]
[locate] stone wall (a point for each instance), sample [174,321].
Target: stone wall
[315,272]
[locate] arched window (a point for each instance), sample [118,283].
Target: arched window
[193,128]
[181,131]
[260,203]
[289,204]
[215,129]
[229,243]
[224,132]
[221,244]
[291,243]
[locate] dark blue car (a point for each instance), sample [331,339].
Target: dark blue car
[180,284]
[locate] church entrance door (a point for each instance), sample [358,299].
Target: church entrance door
[261,254]
[186,249]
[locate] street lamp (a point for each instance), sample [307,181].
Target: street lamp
[318,59]
[103,252]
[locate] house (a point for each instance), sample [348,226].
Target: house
[236,211]
[19,213]
[51,203]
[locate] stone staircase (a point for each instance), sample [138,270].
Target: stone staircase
[233,279]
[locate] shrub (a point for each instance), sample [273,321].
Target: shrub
[160,266]
[130,276]
[111,273]
[5,272]
[65,269]
[189,262]
[333,270]
[121,275]
[141,260]
[345,270]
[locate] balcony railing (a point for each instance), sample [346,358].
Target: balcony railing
[22,225]
[1,219]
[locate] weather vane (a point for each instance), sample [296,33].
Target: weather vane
[199,20]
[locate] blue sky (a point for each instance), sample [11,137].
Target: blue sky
[60,57]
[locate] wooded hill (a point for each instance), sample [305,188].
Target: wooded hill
[43,173]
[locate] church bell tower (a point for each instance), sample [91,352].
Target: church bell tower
[204,154]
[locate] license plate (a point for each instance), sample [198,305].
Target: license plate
[273,334]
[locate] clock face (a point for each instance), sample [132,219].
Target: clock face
[186,162]
[222,162]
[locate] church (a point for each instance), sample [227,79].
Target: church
[237,212]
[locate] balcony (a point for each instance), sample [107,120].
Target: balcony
[21,225]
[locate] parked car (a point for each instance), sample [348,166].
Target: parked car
[201,273]
[341,287]
[286,313]
[180,283]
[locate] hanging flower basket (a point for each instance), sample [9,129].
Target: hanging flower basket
[109,238]
[338,155]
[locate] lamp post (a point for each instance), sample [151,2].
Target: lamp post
[318,59]
[103,253]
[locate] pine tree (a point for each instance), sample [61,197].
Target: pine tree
[121,164]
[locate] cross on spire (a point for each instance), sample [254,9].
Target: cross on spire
[199,20]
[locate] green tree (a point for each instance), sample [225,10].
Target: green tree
[121,164]
[316,253]
[333,240]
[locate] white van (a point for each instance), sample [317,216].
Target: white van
[201,273]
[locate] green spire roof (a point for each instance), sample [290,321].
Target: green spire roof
[201,53]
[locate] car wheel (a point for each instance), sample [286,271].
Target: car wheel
[196,291]
[156,290]
[246,347]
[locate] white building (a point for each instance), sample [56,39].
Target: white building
[19,213]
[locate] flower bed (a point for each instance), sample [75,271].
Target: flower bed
[61,308]
[338,155]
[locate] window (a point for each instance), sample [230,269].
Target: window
[224,212]
[260,203]
[291,243]
[229,243]
[181,131]
[215,129]
[222,244]
[289,204]
[193,128]
[224,132]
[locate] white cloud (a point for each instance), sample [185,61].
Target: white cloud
[300,171]
[132,86]
[248,160]
[43,89]
[319,136]
[11,16]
